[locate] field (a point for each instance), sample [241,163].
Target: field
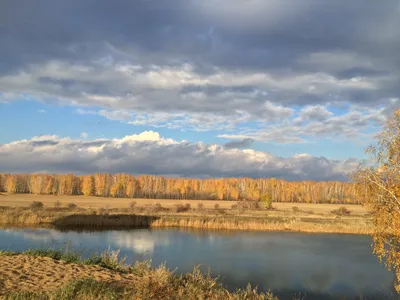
[104,213]
[24,200]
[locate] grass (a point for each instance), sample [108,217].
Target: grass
[149,283]
[108,259]
[24,200]
[341,211]
[103,213]
[79,289]
[183,216]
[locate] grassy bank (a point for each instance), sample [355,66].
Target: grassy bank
[184,216]
[138,281]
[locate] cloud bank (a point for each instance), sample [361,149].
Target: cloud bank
[149,153]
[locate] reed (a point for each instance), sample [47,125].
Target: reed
[296,225]
[204,219]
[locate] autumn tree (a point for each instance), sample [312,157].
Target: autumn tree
[379,187]
[88,186]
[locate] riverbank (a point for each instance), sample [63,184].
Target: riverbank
[157,216]
[52,274]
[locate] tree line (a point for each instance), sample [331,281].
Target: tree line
[158,187]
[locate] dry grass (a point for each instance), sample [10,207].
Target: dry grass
[48,278]
[257,224]
[24,200]
[158,216]
[93,212]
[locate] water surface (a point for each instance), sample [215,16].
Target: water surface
[319,266]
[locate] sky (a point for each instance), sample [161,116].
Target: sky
[196,88]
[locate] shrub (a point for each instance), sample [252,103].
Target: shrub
[243,205]
[254,204]
[72,206]
[57,204]
[37,205]
[110,259]
[234,206]
[266,201]
[200,206]
[216,206]
[188,206]
[181,208]
[156,208]
[341,211]
[295,209]
[132,205]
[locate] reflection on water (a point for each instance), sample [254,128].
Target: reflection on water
[320,266]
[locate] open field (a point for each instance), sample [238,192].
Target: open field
[105,213]
[43,274]
[24,200]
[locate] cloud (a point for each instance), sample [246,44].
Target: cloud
[42,111]
[174,63]
[317,122]
[149,153]
[245,143]
[84,135]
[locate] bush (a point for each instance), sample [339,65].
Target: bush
[266,201]
[37,205]
[341,211]
[72,206]
[57,204]
[295,209]
[132,205]
[200,206]
[243,205]
[234,206]
[216,206]
[254,204]
[182,208]
[156,208]
[103,211]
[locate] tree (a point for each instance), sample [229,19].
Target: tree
[379,188]
[266,201]
[88,186]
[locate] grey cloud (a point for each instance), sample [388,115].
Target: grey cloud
[240,56]
[43,143]
[148,153]
[204,32]
[245,143]
[318,122]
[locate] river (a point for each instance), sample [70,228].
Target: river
[319,266]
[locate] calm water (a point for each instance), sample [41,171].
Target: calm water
[319,266]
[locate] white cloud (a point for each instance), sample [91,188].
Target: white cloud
[317,122]
[149,153]
[42,111]
[84,135]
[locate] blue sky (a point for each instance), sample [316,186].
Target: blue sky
[204,88]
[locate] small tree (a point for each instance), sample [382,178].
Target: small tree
[266,201]
[379,189]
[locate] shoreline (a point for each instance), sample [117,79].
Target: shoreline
[209,220]
[96,213]
[54,274]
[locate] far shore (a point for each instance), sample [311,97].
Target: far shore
[106,213]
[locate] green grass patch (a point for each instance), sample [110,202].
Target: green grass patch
[87,289]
